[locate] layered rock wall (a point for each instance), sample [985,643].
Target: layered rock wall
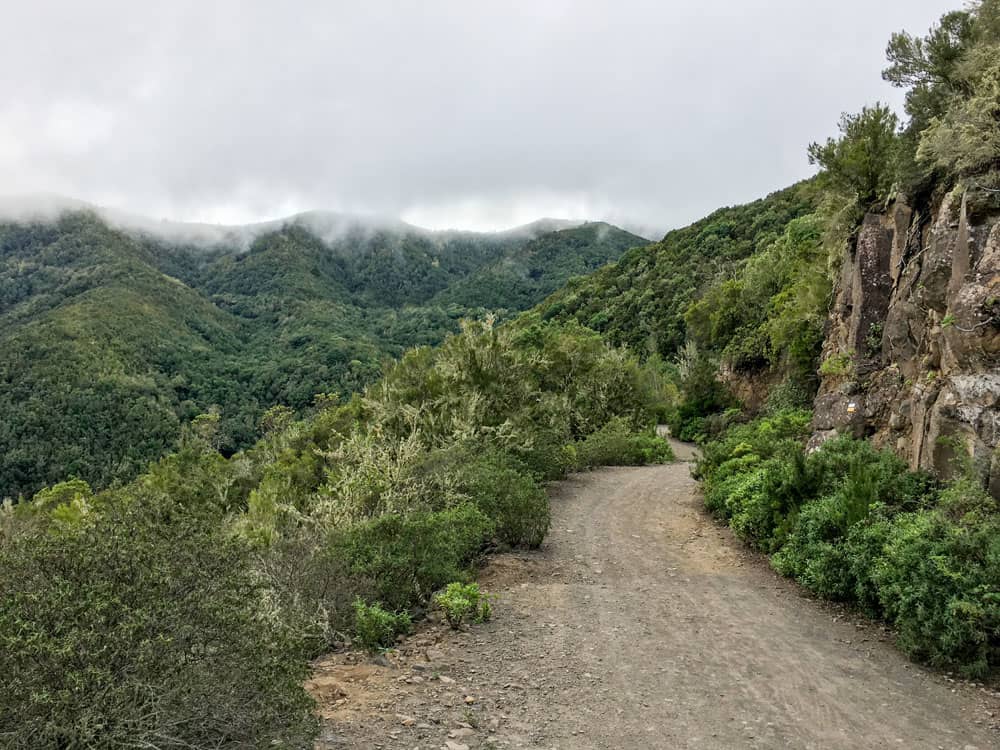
[912,351]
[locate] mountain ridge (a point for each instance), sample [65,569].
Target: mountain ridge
[47,207]
[115,338]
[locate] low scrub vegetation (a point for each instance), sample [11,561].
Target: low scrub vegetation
[853,524]
[375,628]
[618,444]
[464,602]
[181,610]
[136,625]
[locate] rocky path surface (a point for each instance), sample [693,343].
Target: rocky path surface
[642,624]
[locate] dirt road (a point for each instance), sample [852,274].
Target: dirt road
[642,624]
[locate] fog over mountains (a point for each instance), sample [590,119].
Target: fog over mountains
[329,225]
[447,114]
[117,329]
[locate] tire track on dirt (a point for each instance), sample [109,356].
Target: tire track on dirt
[642,624]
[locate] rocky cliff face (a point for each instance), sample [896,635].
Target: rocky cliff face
[912,352]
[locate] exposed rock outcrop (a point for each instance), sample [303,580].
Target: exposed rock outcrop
[912,352]
[751,389]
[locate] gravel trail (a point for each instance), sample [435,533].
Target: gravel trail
[643,624]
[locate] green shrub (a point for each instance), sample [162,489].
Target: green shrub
[375,628]
[463,601]
[865,546]
[543,456]
[411,556]
[618,444]
[837,365]
[785,479]
[142,627]
[495,481]
[69,502]
[938,581]
[869,474]
[788,483]
[764,437]
[371,475]
[815,554]
[687,425]
[650,448]
[527,387]
[759,496]
[512,499]
[739,463]
[736,492]
[749,508]
[852,523]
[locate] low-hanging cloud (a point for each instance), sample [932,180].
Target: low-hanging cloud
[478,115]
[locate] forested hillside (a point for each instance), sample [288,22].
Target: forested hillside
[112,339]
[641,300]
[538,268]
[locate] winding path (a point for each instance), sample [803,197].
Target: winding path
[642,624]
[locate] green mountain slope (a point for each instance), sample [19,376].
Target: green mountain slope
[641,300]
[540,267]
[101,354]
[112,339]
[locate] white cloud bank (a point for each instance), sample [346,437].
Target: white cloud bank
[458,114]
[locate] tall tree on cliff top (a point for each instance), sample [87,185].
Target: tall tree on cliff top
[860,163]
[953,100]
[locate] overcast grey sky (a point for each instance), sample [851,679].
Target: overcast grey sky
[450,114]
